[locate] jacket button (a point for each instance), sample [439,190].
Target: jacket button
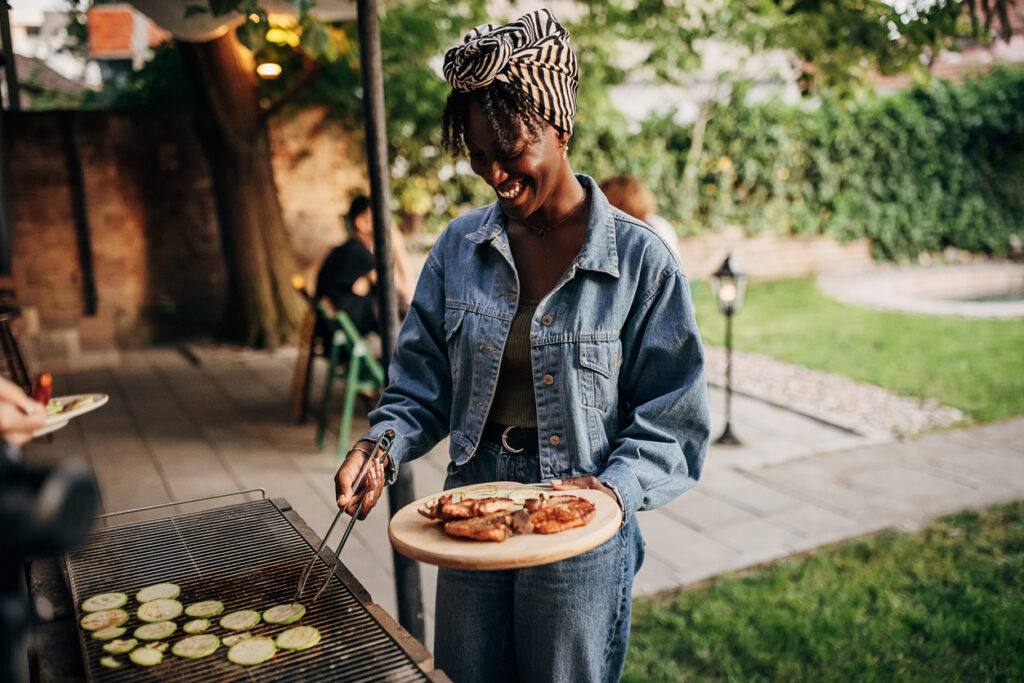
[554,440]
[546,321]
[548,379]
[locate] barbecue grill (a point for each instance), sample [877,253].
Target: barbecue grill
[248,556]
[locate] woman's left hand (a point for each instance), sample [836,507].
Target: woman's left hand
[587,482]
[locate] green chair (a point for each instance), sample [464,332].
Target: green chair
[349,359]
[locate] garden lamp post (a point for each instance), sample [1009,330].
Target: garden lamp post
[728,286]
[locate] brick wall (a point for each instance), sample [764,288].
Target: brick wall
[153,237]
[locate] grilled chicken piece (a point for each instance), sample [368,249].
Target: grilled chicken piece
[492,527]
[560,513]
[534,504]
[446,509]
[434,511]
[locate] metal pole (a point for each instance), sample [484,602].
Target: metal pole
[10,72]
[728,438]
[400,494]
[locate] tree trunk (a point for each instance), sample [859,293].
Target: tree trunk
[264,308]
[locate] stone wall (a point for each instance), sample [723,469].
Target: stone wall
[769,255]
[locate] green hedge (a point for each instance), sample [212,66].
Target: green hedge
[917,171]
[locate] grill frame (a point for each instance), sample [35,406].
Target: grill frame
[360,640]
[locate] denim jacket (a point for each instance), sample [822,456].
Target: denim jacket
[618,367]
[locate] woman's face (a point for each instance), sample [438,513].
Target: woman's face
[526,173]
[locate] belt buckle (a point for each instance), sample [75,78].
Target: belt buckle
[504,442]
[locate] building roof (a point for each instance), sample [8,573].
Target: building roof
[34,74]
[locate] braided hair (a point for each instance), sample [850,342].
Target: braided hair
[503,105]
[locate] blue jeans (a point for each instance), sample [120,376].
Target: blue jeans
[564,621]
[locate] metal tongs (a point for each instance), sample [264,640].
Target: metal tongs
[381,450]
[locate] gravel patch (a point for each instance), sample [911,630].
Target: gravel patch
[859,406]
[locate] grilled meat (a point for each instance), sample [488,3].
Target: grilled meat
[553,517]
[495,519]
[490,527]
[446,509]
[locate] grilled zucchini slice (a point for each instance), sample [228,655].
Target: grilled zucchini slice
[284,614]
[241,620]
[159,610]
[205,609]
[196,626]
[236,638]
[155,631]
[109,633]
[194,647]
[298,638]
[146,656]
[104,601]
[108,618]
[158,591]
[252,651]
[120,647]
[111,662]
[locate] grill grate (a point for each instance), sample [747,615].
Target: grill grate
[248,556]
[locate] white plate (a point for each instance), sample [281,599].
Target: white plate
[55,422]
[50,427]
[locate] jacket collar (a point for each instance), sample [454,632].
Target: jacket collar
[599,252]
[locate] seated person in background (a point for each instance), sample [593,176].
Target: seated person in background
[348,276]
[630,195]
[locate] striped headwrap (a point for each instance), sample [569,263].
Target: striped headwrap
[532,52]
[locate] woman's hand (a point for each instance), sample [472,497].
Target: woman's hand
[19,415]
[369,490]
[361,287]
[587,482]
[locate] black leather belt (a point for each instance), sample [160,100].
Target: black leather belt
[513,439]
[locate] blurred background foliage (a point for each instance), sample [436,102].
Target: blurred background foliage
[938,165]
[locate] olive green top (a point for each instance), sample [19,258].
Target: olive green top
[514,400]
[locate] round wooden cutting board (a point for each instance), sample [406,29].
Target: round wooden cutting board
[422,539]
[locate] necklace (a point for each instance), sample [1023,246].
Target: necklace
[541,232]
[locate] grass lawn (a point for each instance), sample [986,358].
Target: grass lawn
[974,365]
[943,604]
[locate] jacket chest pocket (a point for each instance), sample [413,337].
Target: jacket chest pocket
[599,373]
[452,334]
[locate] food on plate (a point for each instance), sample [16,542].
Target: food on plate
[195,647]
[159,591]
[298,638]
[241,620]
[196,626]
[104,601]
[205,609]
[109,633]
[558,513]
[119,647]
[146,656]
[447,508]
[496,526]
[108,618]
[111,662]
[236,638]
[495,518]
[252,651]
[284,614]
[156,630]
[159,610]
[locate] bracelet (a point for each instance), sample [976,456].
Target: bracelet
[361,450]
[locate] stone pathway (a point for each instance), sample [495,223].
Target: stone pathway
[175,430]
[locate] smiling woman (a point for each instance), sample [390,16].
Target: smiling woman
[552,338]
